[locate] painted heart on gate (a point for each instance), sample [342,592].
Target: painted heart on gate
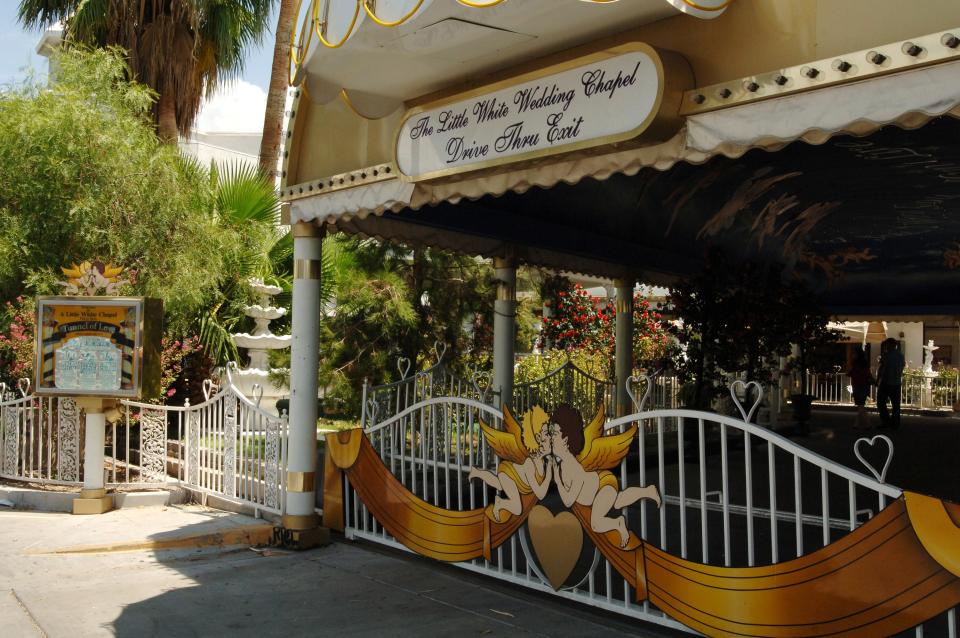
[557,542]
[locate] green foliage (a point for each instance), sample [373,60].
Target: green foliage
[92,180]
[739,318]
[384,301]
[534,367]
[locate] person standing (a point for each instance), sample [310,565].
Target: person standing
[860,382]
[889,378]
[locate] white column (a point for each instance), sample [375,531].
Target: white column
[93,498]
[623,358]
[304,362]
[504,327]
[96,425]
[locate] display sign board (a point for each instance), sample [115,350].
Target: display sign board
[602,98]
[98,346]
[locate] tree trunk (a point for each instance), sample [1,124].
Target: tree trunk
[277,95]
[167,119]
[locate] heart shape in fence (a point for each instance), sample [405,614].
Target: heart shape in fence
[257,391]
[738,384]
[23,385]
[207,389]
[403,366]
[882,474]
[482,382]
[640,405]
[372,408]
[439,349]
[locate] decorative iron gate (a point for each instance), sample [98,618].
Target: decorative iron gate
[751,500]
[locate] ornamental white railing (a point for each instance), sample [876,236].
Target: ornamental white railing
[734,493]
[916,391]
[42,442]
[227,445]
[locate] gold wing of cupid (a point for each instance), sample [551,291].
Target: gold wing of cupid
[604,452]
[516,442]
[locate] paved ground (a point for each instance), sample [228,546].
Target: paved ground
[343,589]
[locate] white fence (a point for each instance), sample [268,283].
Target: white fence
[929,393]
[226,445]
[735,494]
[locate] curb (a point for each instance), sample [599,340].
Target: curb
[244,535]
[38,500]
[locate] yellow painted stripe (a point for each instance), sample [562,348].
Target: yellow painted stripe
[245,535]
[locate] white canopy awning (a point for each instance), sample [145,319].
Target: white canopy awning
[908,99]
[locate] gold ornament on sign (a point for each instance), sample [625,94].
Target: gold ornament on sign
[92,278]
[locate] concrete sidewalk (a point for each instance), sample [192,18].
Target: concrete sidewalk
[54,583]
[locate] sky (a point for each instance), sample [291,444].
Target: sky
[237,107]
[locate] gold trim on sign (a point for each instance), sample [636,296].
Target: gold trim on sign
[656,111]
[306,269]
[301,481]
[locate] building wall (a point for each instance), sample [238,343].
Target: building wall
[223,148]
[753,36]
[912,340]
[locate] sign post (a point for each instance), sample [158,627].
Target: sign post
[97,349]
[93,497]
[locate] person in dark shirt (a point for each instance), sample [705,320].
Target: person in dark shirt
[889,379]
[860,382]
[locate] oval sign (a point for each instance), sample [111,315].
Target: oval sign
[603,98]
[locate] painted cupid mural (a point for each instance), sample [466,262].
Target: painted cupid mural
[558,449]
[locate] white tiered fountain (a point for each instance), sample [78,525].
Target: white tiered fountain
[258,345]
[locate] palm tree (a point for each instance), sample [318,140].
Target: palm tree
[182,49]
[276,96]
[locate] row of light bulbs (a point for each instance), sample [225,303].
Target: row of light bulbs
[841,65]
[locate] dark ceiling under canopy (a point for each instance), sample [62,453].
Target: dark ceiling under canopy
[873,223]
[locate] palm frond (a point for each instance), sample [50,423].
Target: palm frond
[244,194]
[216,338]
[42,13]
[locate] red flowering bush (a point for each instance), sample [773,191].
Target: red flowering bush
[17,330]
[581,322]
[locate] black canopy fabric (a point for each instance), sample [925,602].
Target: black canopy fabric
[873,223]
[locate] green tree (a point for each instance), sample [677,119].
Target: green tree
[84,176]
[179,48]
[740,317]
